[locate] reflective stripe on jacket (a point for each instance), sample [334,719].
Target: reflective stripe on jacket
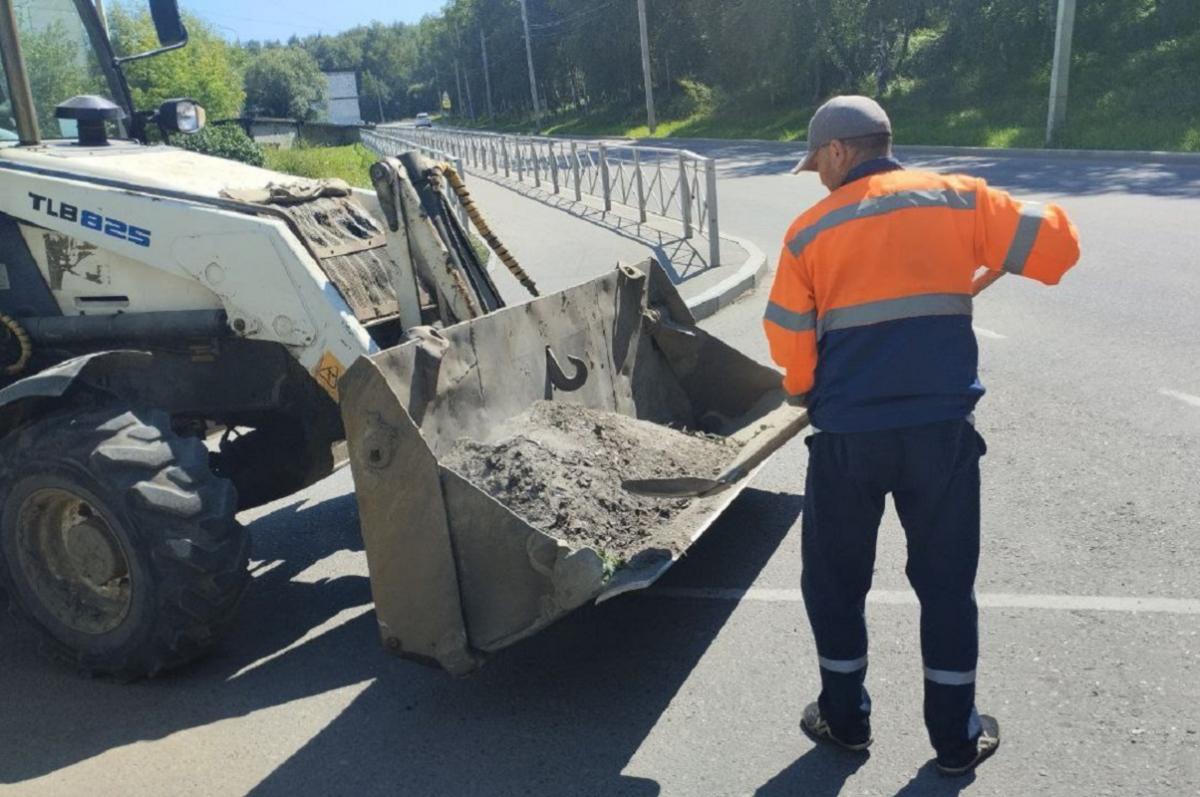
[870,311]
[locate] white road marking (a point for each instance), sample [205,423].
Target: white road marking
[996,600]
[987,333]
[1186,398]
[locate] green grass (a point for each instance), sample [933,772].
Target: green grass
[1144,100]
[350,163]
[1016,121]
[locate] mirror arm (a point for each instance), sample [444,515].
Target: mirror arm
[127,58]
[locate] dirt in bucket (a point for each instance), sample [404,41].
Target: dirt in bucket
[560,467]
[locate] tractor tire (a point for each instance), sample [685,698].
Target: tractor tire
[116,540]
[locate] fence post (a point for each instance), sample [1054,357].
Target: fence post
[575,170]
[604,179]
[504,153]
[553,165]
[641,188]
[537,166]
[520,160]
[714,230]
[685,196]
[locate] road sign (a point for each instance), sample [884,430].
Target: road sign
[446,101]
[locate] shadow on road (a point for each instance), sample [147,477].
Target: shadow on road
[821,772]
[563,712]
[928,783]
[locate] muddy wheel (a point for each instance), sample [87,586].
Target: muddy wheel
[117,541]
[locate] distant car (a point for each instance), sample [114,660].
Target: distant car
[423,120]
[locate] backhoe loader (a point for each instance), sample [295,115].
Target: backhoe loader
[183,336]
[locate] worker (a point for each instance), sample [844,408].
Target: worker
[870,316]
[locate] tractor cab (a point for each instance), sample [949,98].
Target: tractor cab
[62,80]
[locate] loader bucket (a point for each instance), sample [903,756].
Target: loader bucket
[455,573]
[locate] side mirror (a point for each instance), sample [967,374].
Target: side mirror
[167,22]
[181,115]
[172,34]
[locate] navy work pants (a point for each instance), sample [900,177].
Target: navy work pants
[932,473]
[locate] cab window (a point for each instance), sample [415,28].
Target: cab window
[59,60]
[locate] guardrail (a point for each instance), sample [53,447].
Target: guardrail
[669,183]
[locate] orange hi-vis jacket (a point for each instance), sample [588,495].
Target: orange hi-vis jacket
[870,311]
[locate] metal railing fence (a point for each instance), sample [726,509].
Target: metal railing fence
[649,181]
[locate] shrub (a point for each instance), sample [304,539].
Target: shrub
[224,141]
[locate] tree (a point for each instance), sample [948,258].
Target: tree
[285,82]
[59,67]
[207,69]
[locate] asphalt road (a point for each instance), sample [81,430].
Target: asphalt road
[1089,583]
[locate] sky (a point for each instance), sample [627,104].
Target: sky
[239,20]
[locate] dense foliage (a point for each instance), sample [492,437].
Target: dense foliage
[208,69]
[284,82]
[971,61]
[225,141]
[951,71]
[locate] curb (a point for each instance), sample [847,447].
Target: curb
[733,287]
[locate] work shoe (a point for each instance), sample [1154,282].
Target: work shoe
[988,742]
[813,724]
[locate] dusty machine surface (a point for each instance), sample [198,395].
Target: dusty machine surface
[183,336]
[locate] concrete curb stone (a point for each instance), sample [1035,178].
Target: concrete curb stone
[729,290]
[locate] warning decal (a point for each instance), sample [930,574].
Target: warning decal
[328,372]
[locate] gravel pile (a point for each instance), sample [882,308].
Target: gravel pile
[560,467]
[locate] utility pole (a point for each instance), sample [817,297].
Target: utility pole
[458,82]
[466,76]
[1060,72]
[537,108]
[470,99]
[650,120]
[487,77]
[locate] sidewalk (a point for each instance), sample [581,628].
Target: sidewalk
[562,243]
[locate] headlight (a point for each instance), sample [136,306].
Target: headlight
[181,116]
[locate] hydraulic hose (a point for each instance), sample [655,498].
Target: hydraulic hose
[489,237]
[22,337]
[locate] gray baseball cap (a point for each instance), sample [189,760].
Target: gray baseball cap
[842,117]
